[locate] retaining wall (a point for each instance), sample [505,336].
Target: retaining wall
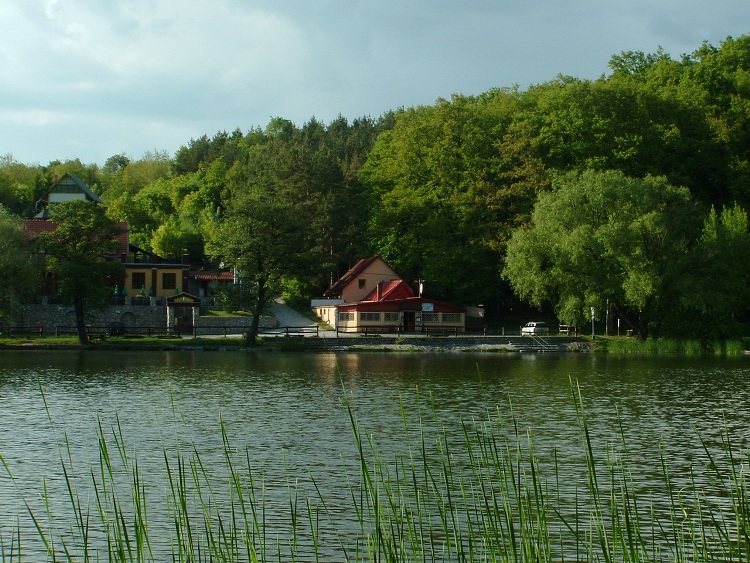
[52,316]
[449,342]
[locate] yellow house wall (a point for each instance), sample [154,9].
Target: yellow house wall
[421,323]
[158,289]
[376,272]
[327,314]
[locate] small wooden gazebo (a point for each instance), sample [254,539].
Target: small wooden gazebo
[182,310]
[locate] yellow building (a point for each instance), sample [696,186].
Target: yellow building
[150,275]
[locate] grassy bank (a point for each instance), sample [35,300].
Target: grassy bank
[487,497]
[624,345]
[122,341]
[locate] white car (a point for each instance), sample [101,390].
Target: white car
[534,328]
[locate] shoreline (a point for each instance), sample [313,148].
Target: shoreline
[504,345]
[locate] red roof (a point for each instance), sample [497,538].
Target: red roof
[38,226]
[123,239]
[390,291]
[212,276]
[408,304]
[35,227]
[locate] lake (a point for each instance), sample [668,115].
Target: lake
[287,416]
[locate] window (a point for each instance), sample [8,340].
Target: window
[138,280]
[430,317]
[371,317]
[361,284]
[169,281]
[344,317]
[454,318]
[390,317]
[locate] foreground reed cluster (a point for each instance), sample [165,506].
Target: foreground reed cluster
[489,497]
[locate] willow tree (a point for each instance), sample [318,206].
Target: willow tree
[602,239]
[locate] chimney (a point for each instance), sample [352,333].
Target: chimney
[377,293]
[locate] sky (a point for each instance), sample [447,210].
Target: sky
[90,79]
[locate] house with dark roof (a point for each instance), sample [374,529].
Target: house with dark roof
[371,297]
[146,274]
[67,188]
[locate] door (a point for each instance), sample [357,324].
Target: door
[409,321]
[183,320]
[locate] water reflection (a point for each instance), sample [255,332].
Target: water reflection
[288,411]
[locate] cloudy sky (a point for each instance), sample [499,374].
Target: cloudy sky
[92,78]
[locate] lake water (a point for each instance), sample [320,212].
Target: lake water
[286,415]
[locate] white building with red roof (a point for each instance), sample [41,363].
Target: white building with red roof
[371,297]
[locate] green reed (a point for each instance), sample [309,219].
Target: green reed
[675,346]
[485,493]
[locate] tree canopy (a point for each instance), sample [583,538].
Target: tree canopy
[20,270]
[80,254]
[602,239]
[439,191]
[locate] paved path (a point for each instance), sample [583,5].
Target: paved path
[286,316]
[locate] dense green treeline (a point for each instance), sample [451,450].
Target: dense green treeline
[454,192]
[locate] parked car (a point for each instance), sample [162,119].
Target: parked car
[534,328]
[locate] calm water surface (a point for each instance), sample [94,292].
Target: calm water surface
[286,411]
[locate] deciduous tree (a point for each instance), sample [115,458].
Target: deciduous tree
[19,269]
[601,238]
[716,293]
[80,255]
[261,237]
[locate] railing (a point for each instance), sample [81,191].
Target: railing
[289,330]
[370,330]
[538,344]
[106,330]
[103,331]
[137,301]
[10,331]
[442,330]
[212,330]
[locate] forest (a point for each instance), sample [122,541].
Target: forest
[627,193]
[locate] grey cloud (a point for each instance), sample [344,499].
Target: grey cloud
[90,78]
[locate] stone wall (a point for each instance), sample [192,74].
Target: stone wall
[443,343]
[238,325]
[54,317]
[265,322]
[58,318]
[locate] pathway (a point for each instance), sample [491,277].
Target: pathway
[286,316]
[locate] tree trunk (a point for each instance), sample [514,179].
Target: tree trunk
[258,306]
[252,333]
[643,328]
[639,325]
[83,336]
